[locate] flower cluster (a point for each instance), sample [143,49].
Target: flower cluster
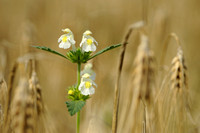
[88,43]
[80,92]
[86,86]
[87,80]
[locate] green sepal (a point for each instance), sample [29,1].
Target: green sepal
[83,97]
[76,94]
[50,50]
[78,56]
[75,106]
[104,50]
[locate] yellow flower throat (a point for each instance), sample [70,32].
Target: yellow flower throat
[88,84]
[89,41]
[64,39]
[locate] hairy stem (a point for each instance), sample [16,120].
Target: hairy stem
[79,74]
[78,83]
[77,122]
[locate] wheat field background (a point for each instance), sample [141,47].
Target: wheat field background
[39,22]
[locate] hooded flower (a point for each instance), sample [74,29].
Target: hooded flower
[67,39]
[88,42]
[86,85]
[88,69]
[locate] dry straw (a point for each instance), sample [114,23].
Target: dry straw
[137,111]
[3,96]
[6,122]
[3,92]
[179,88]
[24,104]
[36,89]
[42,120]
[117,85]
[22,111]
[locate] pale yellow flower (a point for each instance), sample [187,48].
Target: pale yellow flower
[86,87]
[88,70]
[88,43]
[67,39]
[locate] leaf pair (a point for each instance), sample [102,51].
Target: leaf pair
[75,56]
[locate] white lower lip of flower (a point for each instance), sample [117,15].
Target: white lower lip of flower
[88,48]
[86,91]
[64,45]
[66,41]
[88,43]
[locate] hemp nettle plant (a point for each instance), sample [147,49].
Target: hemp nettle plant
[84,88]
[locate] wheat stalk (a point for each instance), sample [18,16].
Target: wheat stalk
[141,91]
[6,124]
[117,88]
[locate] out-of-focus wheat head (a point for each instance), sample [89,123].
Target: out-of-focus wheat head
[137,112]
[179,88]
[173,101]
[178,73]
[3,95]
[36,91]
[43,120]
[22,111]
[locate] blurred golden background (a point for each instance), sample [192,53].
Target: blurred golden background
[39,22]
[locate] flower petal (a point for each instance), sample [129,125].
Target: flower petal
[83,41]
[85,91]
[91,90]
[93,47]
[60,38]
[87,48]
[66,45]
[61,45]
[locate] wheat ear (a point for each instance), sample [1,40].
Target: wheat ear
[22,111]
[142,87]
[3,98]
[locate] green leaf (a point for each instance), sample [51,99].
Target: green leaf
[104,50]
[50,50]
[75,106]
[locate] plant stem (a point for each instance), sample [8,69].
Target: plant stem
[78,83]
[79,74]
[77,122]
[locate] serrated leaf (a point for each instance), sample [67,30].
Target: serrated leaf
[104,50]
[50,50]
[75,106]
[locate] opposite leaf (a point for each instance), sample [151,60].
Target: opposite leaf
[75,106]
[104,50]
[50,50]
